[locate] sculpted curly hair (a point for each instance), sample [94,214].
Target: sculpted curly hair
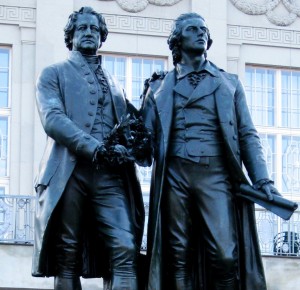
[174,40]
[71,25]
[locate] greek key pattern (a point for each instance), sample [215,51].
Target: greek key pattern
[17,14]
[134,24]
[270,36]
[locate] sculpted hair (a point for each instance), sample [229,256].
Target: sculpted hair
[174,40]
[71,25]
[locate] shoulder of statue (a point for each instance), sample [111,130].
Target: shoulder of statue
[154,81]
[158,76]
[225,74]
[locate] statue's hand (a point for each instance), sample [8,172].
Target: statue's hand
[267,187]
[113,155]
[119,154]
[99,155]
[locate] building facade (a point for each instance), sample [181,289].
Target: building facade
[257,39]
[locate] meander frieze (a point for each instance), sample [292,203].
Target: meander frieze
[17,14]
[135,6]
[268,36]
[134,24]
[290,9]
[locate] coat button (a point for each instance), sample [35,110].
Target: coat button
[90,113]
[231,122]
[87,137]
[73,158]
[92,91]
[234,137]
[90,81]
[92,102]
[87,125]
[86,72]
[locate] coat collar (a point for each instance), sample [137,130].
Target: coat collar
[206,86]
[183,69]
[76,56]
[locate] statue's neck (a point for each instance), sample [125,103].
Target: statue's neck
[91,59]
[193,61]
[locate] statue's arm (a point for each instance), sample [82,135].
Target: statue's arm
[250,145]
[56,123]
[150,117]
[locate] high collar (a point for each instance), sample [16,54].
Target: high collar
[183,69]
[78,57]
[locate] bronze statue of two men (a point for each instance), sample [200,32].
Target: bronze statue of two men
[90,215]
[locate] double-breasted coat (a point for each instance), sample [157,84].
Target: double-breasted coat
[67,98]
[241,143]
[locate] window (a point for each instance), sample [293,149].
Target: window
[5,111]
[273,97]
[131,72]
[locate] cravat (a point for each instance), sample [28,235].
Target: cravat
[195,77]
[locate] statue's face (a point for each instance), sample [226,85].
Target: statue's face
[194,36]
[86,38]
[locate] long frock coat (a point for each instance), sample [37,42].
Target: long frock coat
[67,97]
[241,144]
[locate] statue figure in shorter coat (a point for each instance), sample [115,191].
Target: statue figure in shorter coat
[200,235]
[90,215]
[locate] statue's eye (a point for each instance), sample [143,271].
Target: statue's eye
[204,29]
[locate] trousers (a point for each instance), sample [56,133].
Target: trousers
[102,193]
[197,206]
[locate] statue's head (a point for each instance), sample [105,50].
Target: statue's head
[86,30]
[189,32]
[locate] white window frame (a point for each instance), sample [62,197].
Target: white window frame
[6,112]
[277,130]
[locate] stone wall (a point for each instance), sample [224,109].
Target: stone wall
[282,273]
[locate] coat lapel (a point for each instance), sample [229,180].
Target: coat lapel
[184,88]
[117,96]
[205,87]
[164,101]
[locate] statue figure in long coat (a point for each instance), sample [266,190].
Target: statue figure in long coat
[200,235]
[90,214]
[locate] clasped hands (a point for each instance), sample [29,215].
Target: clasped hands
[113,155]
[267,187]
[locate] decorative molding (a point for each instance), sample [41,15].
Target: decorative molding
[278,12]
[17,14]
[138,25]
[268,36]
[135,6]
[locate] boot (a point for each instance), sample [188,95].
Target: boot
[67,283]
[124,283]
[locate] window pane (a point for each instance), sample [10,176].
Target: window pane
[148,68]
[4,58]
[290,102]
[4,77]
[158,65]
[290,164]
[260,92]
[268,143]
[3,145]
[116,66]
[136,67]
[3,98]
[141,69]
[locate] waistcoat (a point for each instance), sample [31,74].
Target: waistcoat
[195,129]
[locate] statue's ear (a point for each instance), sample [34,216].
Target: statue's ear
[209,43]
